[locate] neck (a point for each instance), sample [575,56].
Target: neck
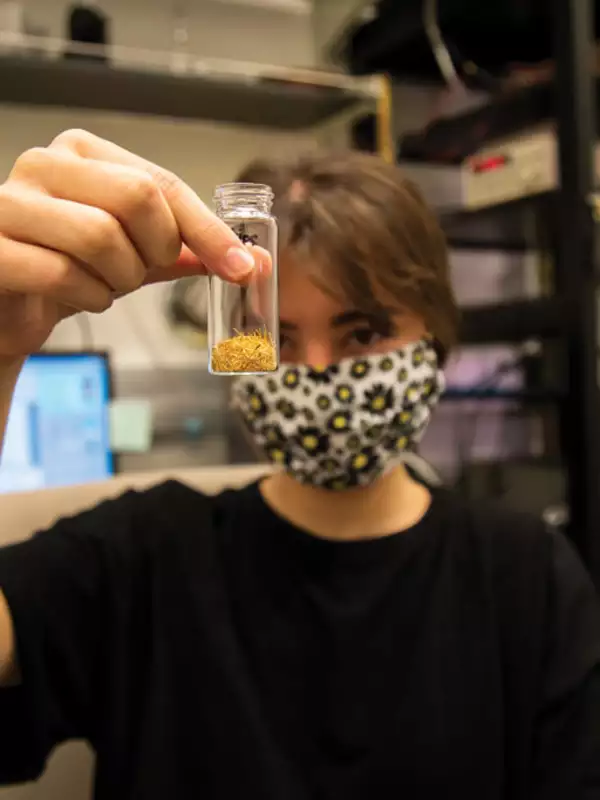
[391,504]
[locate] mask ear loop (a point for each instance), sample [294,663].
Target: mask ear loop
[422,469]
[438,45]
[456,79]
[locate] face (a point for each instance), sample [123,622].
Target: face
[318,329]
[352,395]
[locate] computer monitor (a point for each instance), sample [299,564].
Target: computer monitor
[58,426]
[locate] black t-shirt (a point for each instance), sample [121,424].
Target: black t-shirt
[208,649]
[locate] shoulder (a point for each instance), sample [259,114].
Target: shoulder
[533,570]
[122,541]
[492,527]
[140,522]
[518,550]
[138,510]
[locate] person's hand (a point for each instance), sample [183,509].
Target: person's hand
[83,222]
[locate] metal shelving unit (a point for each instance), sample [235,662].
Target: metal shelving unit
[571,316]
[577,275]
[177,85]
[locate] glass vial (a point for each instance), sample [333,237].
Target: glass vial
[243,319]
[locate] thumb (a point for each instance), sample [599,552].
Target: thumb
[189,265]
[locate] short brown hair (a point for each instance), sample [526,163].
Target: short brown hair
[368,231]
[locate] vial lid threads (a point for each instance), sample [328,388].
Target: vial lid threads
[244,319]
[230,196]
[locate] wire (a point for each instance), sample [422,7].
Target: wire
[464,78]
[438,45]
[85,328]
[422,469]
[467,435]
[139,328]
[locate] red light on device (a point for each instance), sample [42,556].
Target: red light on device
[489,164]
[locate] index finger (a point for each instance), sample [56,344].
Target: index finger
[208,237]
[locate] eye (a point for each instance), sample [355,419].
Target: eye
[287,347]
[364,337]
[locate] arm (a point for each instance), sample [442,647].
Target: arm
[7,645]
[83,201]
[9,372]
[71,592]
[566,764]
[51,584]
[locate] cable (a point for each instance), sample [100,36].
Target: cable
[467,436]
[85,328]
[422,469]
[467,76]
[139,328]
[438,45]
[187,304]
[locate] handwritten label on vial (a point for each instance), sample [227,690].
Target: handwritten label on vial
[246,237]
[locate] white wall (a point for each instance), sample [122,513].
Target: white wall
[215,29]
[328,17]
[204,154]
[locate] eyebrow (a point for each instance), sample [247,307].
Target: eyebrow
[381,319]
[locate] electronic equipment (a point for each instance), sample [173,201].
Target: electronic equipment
[390,36]
[516,167]
[58,426]
[88,25]
[519,166]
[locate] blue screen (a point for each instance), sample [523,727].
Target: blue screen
[58,426]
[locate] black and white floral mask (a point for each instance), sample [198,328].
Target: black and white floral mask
[346,424]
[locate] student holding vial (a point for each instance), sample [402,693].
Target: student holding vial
[337,629]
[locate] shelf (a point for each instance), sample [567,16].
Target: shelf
[517,226]
[513,322]
[525,396]
[488,35]
[507,228]
[296,7]
[514,226]
[230,92]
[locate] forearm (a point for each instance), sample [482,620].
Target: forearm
[9,372]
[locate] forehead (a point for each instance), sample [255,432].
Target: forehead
[307,305]
[303,297]
[301,294]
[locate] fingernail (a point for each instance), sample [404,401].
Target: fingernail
[238,262]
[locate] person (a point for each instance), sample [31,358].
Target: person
[336,629]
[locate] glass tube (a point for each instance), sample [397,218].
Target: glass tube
[243,319]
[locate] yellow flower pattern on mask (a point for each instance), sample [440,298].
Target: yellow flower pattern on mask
[291,378]
[344,393]
[343,425]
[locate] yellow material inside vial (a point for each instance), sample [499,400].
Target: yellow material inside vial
[245,352]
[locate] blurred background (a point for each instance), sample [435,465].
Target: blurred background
[489,107]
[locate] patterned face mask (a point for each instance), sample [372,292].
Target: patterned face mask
[346,424]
